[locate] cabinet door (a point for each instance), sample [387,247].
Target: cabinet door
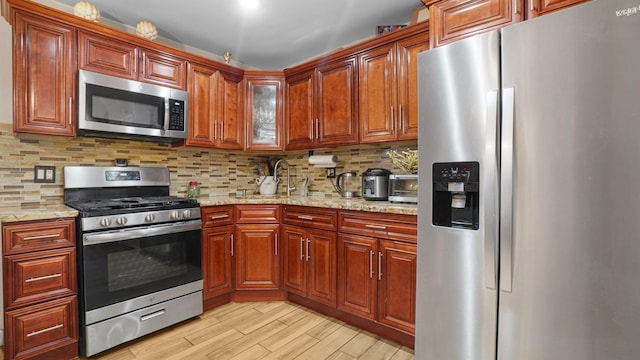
[397,285]
[257,265]
[230,117]
[162,69]
[407,70]
[216,262]
[301,125]
[264,113]
[44,76]
[452,20]
[107,56]
[541,7]
[202,83]
[378,95]
[356,279]
[321,266]
[336,103]
[294,259]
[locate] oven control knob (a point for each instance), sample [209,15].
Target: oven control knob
[186,214]
[121,220]
[150,218]
[175,215]
[105,222]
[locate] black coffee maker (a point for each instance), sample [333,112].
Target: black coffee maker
[456,195]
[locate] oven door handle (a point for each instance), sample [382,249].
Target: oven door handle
[140,232]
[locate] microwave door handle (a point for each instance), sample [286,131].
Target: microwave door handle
[167,114]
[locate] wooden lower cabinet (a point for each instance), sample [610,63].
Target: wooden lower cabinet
[309,266]
[217,245]
[40,287]
[257,259]
[377,280]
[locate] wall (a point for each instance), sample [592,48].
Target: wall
[221,173]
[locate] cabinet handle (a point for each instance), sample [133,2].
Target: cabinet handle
[401,117]
[370,264]
[275,244]
[301,246]
[43,277]
[531,5]
[317,129]
[222,130]
[308,257]
[40,237]
[70,110]
[377,227]
[218,217]
[38,332]
[215,130]
[232,245]
[393,118]
[379,266]
[304,217]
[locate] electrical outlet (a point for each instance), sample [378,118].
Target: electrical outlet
[331,173]
[44,174]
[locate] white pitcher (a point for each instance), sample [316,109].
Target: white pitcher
[268,185]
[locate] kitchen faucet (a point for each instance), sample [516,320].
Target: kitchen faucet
[275,175]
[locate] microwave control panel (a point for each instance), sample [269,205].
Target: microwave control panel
[176,115]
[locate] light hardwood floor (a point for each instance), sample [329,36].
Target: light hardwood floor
[259,330]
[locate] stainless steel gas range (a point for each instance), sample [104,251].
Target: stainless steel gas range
[139,253]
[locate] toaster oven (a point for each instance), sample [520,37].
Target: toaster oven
[403,188]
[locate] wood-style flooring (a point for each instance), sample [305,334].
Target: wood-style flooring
[259,330]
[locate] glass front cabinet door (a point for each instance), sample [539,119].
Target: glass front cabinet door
[264,110]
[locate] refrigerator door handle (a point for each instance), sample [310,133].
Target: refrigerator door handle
[490,224]
[506,190]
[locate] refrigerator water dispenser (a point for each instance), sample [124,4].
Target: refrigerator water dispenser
[456,194]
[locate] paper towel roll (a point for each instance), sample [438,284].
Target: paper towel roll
[323,161]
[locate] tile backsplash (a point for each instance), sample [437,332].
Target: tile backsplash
[220,172]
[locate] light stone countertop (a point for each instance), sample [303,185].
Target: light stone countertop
[11,214]
[318,201]
[49,212]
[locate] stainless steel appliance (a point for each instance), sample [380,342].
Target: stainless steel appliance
[348,184]
[375,184]
[109,106]
[139,253]
[403,188]
[529,201]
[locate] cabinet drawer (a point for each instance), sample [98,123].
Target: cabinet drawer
[217,215]
[40,276]
[39,329]
[310,217]
[388,226]
[26,236]
[257,214]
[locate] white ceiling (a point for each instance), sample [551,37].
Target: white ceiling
[276,35]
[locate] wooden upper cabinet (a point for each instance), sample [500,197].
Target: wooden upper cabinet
[203,92]
[452,20]
[264,109]
[300,123]
[111,56]
[407,72]
[322,106]
[389,90]
[541,7]
[336,103]
[44,76]
[230,112]
[215,108]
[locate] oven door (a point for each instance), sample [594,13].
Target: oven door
[124,264]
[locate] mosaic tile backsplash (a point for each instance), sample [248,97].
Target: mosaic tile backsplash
[220,172]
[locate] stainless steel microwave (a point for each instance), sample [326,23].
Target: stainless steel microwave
[110,106]
[403,188]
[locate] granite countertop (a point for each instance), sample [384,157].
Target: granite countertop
[318,201]
[42,213]
[10,214]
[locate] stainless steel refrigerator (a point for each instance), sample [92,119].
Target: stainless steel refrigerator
[529,190]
